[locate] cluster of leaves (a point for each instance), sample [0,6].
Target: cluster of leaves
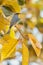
[8,39]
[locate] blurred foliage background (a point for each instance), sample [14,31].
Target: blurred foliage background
[21,32]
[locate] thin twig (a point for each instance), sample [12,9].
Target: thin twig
[21,33]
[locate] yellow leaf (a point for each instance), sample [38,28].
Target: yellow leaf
[32,5]
[15,7]
[35,44]
[41,20]
[9,46]
[12,32]
[25,55]
[22,16]
[4,24]
[1,11]
[30,24]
